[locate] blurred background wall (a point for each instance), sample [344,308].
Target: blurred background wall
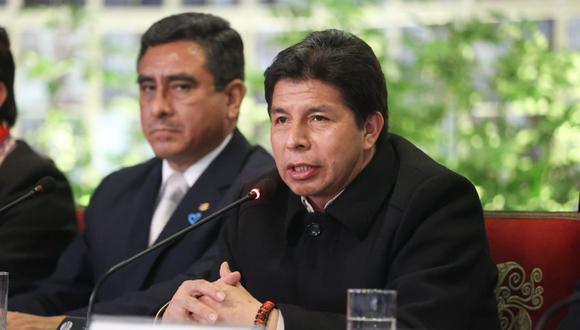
[491,88]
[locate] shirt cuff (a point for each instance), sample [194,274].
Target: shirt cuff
[280,324]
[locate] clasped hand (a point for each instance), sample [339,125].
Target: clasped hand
[224,301]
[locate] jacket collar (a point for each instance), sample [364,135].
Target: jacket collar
[356,207]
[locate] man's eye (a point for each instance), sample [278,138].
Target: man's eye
[146,88]
[182,87]
[280,120]
[318,118]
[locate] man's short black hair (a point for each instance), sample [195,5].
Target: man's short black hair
[340,59]
[223,46]
[8,111]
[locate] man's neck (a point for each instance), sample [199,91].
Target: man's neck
[193,171]
[184,163]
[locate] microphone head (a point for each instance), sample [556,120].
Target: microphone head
[44,185]
[264,186]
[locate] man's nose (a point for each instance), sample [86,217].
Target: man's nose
[298,137]
[161,105]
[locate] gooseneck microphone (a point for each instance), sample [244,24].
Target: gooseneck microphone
[254,194]
[44,185]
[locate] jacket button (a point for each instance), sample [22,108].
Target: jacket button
[313,229]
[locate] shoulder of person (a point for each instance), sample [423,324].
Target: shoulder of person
[25,167]
[134,172]
[418,172]
[260,158]
[130,177]
[24,156]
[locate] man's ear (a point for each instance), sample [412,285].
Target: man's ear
[235,91]
[372,128]
[3,93]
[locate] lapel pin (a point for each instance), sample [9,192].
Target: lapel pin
[194,217]
[203,207]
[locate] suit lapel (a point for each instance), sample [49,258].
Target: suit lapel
[144,208]
[205,197]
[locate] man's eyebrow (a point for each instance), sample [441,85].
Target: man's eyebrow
[174,77]
[277,110]
[309,111]
[182,77]
[316,109]
[142,79]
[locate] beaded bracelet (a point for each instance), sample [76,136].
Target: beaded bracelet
[263,314]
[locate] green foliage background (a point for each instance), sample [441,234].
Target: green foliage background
[511,124]
[509,121]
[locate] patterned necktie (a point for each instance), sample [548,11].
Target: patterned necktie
[173,191]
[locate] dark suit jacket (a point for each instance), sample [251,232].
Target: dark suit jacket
[404,223]
[117,227]
[34,232]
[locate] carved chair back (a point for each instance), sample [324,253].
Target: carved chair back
[538,260]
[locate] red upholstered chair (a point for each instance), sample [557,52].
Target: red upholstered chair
[538,259]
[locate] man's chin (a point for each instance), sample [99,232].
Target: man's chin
[302,189]
[164,152]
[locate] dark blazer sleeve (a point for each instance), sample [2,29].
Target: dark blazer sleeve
[442,270]
[72,281]
[34,232]
[149,301]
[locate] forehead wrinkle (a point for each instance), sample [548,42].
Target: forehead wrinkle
[277,111]
[162,59]
[195,48]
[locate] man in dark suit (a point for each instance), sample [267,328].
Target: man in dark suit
[34,232]
[351,206]
[191,71]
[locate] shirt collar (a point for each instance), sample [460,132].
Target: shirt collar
[310,208]
[193,172]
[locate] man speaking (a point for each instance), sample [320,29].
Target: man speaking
[353,207]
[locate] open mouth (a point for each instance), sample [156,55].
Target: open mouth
[302,171]
[301,168]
